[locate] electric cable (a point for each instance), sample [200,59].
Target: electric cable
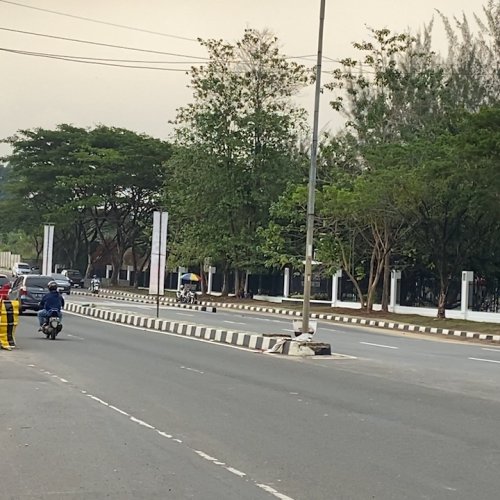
[89,42]
[83,61]
[124,26]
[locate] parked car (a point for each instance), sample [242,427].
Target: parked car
[4,287]
[75,277]
[63,283]
[29,290]
[20,268]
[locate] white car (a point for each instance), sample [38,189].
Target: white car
[20,268]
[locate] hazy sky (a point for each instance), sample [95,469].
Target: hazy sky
[41,92]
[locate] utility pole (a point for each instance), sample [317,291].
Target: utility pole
[312,180]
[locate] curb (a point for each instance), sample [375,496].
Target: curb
[241,339]
[109,294]
[404,327]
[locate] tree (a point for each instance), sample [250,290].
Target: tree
[100,186]
[236,149]
[452,193]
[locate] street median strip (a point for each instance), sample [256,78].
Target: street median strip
[241,339]
[164,301]
[404,327]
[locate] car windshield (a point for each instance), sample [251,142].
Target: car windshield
[23,266]
[60,277]
[74,274]
[38,281]
[4,280]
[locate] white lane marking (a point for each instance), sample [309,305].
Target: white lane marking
[485,360]
[274,492]
[200,453]
[119,411]
[380,345]
[205,456]
[75,336]
[288,330]
[235,471]
[233,322]
[164,434]
[141,422]
[185,314]
[490,349]
[192,370]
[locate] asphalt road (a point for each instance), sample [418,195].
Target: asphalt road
[433,361]
[108,411]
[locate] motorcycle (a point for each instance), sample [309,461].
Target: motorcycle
[52,325]
[190,297]
[94,286]
[186,297]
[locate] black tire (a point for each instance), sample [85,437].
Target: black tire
[53,334]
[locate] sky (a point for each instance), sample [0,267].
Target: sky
[44,92]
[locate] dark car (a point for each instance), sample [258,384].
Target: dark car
[29,290]
[4,286]
[75,277]
[63,283]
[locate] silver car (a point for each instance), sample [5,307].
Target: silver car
[20,268]
[63,283]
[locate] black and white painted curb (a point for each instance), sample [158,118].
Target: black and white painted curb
[165,301]
[404,327]
[241,339]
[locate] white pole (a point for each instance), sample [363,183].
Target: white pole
[211,271]
[158,253]
[395,277]
[335,287]
[48,244]
[467,277]
[286,283]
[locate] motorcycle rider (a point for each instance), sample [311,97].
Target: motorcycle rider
[50,301]
[94,282]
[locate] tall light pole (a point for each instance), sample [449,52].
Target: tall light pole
[312,179]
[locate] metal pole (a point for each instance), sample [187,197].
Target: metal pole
[312,179]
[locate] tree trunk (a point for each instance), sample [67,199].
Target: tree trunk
[354,281]
[245,288]
[88,270]
[237,286]
[387,283]
[117,261]
[443,294]
[225,281]
[203,281]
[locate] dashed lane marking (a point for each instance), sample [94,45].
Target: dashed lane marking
[192,370]
[380,345]
[485,360]
[170,437]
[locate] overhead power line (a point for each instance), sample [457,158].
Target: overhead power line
[88,61]
[106,59]
[89,42]
[97,21]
